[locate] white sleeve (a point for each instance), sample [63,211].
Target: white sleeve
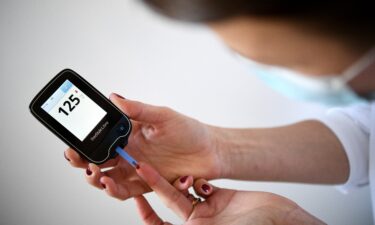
[352,127]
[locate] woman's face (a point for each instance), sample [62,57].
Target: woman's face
[297,46]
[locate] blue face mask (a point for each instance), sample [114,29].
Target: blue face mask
[329,90]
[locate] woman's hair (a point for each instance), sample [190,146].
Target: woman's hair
[352,17]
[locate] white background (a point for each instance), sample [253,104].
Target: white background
[120,46]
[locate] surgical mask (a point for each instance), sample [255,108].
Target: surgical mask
[331,90]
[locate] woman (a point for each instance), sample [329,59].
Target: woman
[319,51]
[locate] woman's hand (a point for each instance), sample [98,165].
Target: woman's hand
[221,206]
[173,143]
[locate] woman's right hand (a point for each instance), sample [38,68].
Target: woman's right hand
[172,143]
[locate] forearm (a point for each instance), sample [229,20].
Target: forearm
[302,152]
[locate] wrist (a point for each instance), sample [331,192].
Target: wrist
[217,146]
[232,149]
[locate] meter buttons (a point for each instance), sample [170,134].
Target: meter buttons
[121,128]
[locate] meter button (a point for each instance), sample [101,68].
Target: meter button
[121,128]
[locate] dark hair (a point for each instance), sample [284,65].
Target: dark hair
[351,17]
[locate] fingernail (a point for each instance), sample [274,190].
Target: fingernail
[206,188]
[66,157]
[88,172]
[103,185]
[136,165]
[119,96]
[183,179]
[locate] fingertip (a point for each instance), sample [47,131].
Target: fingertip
[113,190]
[69,154]
[136,165]
[93,169]
[75,159]
[203,188]
[93,166]
[66,157]
[140,170]
[141,167]
[88,171]
[206,188]
[103,182]
[147,173]
[108,185]
[121,103]
[184,183]
[189,182]
[115,96]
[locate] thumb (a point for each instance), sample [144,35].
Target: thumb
[139,111]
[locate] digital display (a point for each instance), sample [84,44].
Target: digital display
[74,110]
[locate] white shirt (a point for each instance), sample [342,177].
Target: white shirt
[355,128]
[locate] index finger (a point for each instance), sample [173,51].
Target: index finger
[171,197]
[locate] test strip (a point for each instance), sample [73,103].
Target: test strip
[127,157]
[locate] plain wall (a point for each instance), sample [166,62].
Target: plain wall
[121,46]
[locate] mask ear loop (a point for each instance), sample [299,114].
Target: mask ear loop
[359,66]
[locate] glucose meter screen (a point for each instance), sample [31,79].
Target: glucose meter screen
[74,110]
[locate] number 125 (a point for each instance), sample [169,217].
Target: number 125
[69,105]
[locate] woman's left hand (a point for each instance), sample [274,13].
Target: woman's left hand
[220,206]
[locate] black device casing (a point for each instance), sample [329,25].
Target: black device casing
[116,134]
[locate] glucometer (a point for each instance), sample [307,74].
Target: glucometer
[83,118]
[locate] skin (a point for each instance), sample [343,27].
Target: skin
[220,206]
[213,152]
[177,145]
[154,139]
[217,153]
[297,45]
